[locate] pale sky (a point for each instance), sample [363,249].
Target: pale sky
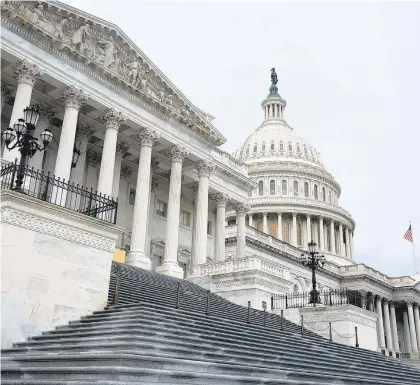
[350,72]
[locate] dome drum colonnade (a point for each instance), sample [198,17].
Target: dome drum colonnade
[73,98]
[296,199]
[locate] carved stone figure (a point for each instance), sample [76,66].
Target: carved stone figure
[134,67]
[274,79]
[80,37]
[109,52]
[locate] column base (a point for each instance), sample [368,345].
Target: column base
[414,356]
[138,259]
[170,268]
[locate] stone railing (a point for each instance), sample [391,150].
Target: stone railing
[229,160]
[362,269]
[242,265]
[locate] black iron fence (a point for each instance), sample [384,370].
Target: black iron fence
[47,188]
[328,298]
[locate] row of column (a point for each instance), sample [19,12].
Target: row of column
[387,325]
[344,248]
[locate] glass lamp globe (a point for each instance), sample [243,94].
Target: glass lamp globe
[20,127]
[31,115]
[312,247]
[46,137]
[8,136]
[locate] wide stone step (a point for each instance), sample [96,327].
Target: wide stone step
[168,363]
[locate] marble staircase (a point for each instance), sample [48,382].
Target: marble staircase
[146,339]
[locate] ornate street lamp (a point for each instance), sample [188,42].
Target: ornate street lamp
[28,145]
[313,260]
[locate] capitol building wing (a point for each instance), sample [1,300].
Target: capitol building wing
[176,203]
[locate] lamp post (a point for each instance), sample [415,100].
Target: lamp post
[313,260]
[28,145]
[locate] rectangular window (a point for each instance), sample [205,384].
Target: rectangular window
[161,208]
[185,218]
[132,196]
[209,228]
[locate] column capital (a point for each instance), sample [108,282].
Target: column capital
[378,298]
[385,301]
[391,303]
[194,188]
[279,213]
[242,209]
[84,130]
[294,215]
[113,119]
[204,168]
[93,158]
[147,137]
[416,305]
[73,97]
[221,199]
[46,112]
[154,164]
[26,72]
[264,213]
[155,184]
[409,303]
[6,91]
[126,172]
[178,153]
[122,149]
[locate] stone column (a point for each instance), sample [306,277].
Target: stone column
[204,169]
[407,332]
[413,337]
[294,230]
[340,239]
[321,234]
[5,94]
[73,99]
[347,242]
[113,120]
[332,237]
[46,114]
[121,153]
[351,246]
[265,223]
[77,173]
[389,342]
[394,329]
[308,230]
[170,259]
[251,220]
[279,227]
[26,75]
[381,335]
[137,254]
[417,322]
[221,200]
[241,210]
[194,261]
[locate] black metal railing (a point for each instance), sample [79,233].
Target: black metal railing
[329,298]
[47,188]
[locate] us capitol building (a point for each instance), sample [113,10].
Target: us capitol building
[167,197]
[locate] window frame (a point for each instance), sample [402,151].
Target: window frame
[165,208]
[284,186]
[261,188]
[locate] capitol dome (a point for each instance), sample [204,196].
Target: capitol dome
[297,198]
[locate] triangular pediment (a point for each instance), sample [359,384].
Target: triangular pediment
[99,44]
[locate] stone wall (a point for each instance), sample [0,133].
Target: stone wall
[55,265]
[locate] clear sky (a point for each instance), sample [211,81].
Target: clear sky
[350,72]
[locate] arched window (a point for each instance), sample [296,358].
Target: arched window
[323,194]
[295,288]
[306,189]
[284,187]
[328,241]
[285,232]
[312,154]
[299,234]
[298,148]
[273,229]
[305,150]
[260,188]
[255,148]
[263,147]
[247,150]
[260,226]
[272,146]
[295,188]
[281,146]
[272,187]
[316,191]
[329,196]
[274,110]
[290,147]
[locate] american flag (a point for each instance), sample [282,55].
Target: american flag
[409,235]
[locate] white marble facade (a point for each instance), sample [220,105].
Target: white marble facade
[236,223]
